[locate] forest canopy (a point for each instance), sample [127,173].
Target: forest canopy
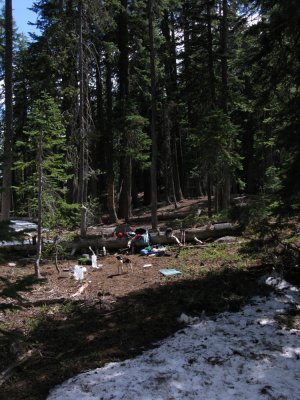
[159,100]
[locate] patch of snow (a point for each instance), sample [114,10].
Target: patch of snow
[20,225]
[245,355]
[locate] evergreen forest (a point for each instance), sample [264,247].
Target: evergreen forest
[150,153]
[117,104]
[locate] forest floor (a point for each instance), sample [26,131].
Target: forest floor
[57,327]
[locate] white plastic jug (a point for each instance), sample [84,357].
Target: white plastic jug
[79,272]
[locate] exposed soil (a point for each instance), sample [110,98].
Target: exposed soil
[49,331]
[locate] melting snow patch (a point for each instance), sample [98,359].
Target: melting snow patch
[244,355]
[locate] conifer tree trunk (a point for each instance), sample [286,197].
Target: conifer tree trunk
[212,87]
[211,72]
[177,159]
[224,55]
[8,134]
[153,120]
[226,185]
[61,5]
[172,109]
[82,134]
[110,148]
[40,208]
[81,112]
[209,194]
[168,170]
[125,203]
[250,166]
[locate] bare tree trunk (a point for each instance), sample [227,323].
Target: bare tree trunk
[125,204]
[178,158]
[176,175]
[169,178]
[82,133]
[226,186]
[61,5]
[250,166]
[209,200]
[171,107]
[153,120]
[110,148]
[40,209]
[212,88]
[8,136]
[224,55]
[211,72]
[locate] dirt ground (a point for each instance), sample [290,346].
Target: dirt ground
[58,327]
[49,332]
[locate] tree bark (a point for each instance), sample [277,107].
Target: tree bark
[153,120]
[40,208]
[169,177]
[171,113]
[8,135]
[82,190]
[226,184]
[211,72]
[177,161]
[125,203]
[110,148]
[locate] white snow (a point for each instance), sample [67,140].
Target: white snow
[245,355]
[20,225]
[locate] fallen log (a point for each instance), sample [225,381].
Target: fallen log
[203,233]
[96,243]
[213,231]
[112,243]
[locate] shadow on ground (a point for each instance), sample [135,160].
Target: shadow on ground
[14,290]
[76,337]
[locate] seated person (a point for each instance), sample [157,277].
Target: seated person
[139,241]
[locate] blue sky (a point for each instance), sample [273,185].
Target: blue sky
[22,15]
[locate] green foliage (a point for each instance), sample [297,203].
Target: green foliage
[193,218]
[64,216]
[265,208]
[94,210]
[138,139]
[43,152]
[261,218]
[218,145]
[258,132]
[221,216]
[277,65]
[56,250]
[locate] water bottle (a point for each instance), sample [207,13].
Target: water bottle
[94,261]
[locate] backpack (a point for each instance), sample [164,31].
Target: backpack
[124,231]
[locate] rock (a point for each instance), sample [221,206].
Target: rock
[227,239]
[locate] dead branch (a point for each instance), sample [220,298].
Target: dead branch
[7,373]
[80,290]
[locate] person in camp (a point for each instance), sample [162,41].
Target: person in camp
[139,241]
